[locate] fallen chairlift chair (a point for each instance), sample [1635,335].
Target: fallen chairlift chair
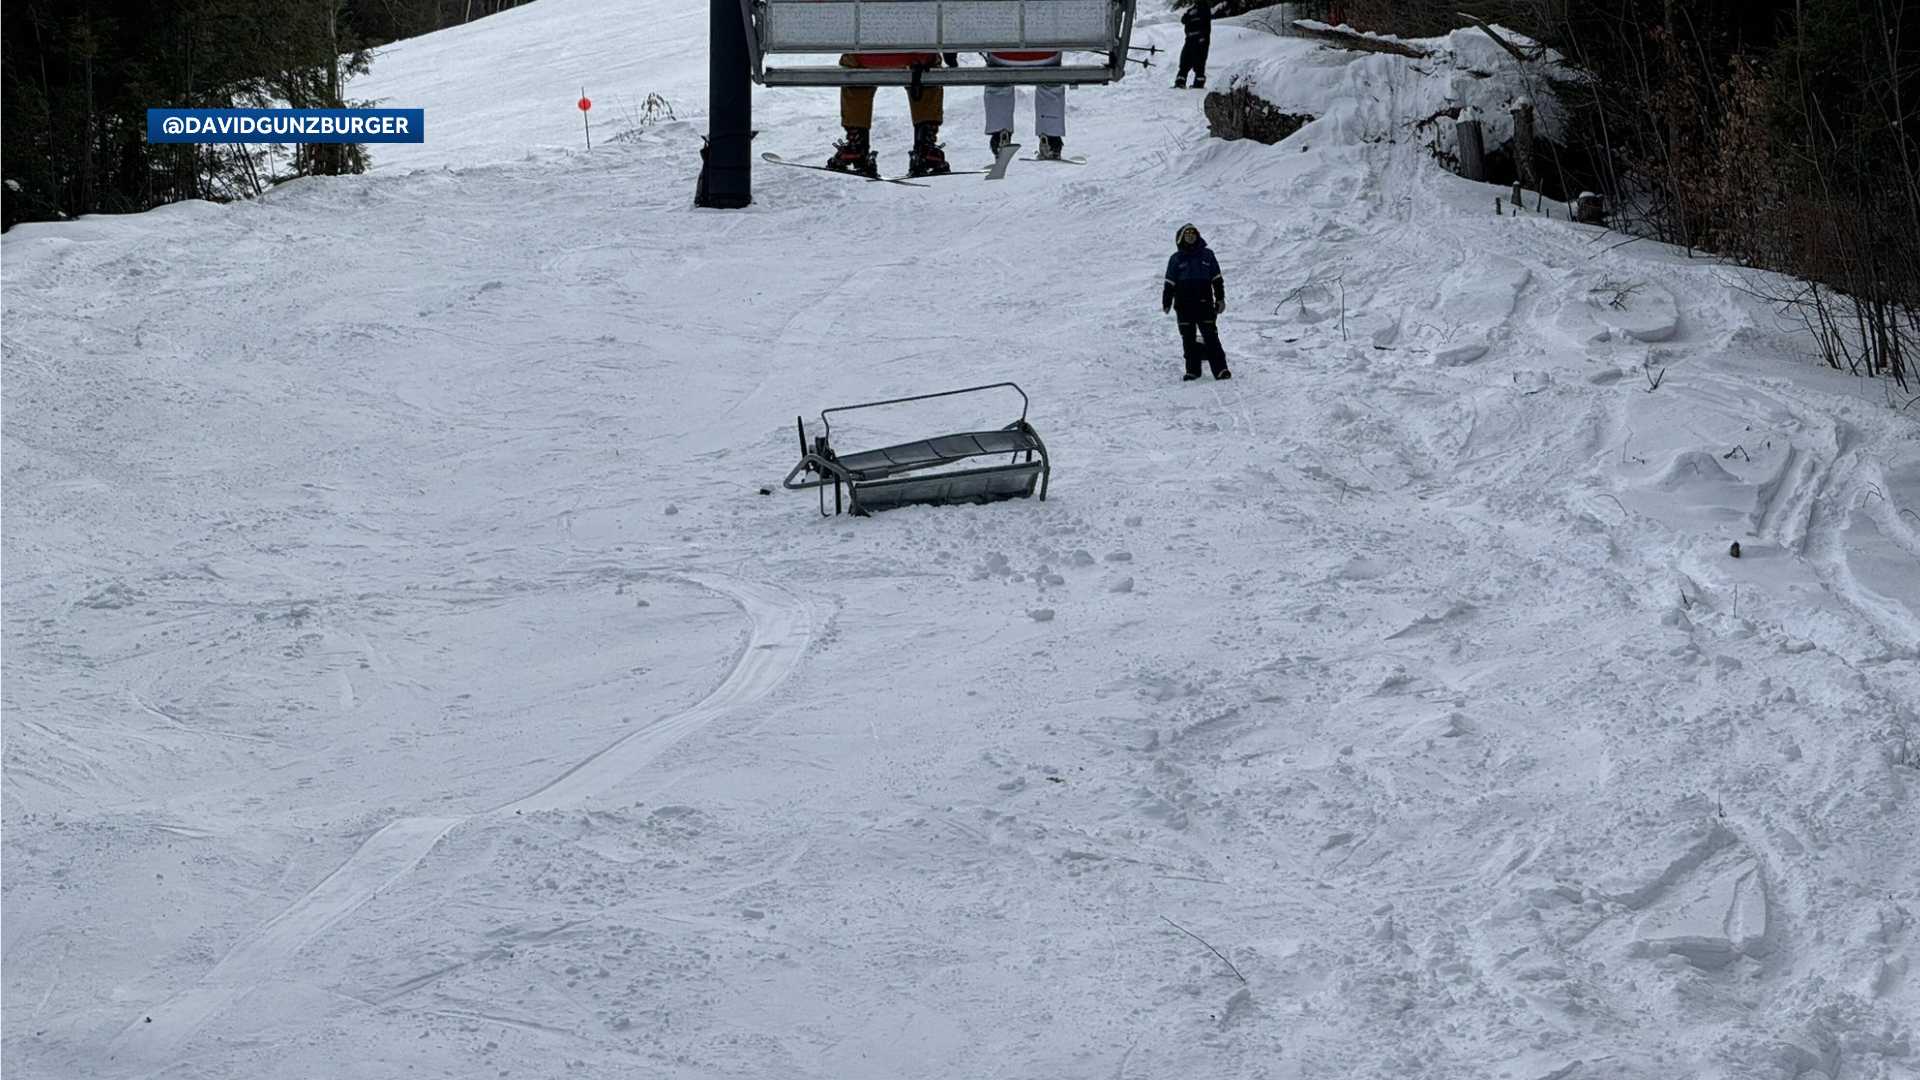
[893,476]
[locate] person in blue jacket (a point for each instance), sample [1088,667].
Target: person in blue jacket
[1198,22]
[1197,294]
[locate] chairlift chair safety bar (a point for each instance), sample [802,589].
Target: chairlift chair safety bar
[776,27]
[893,476]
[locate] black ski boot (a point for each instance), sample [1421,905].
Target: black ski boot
[1179,82]
[1199,82]
[998,139]
[1050,147]
[927,159]
[853,156]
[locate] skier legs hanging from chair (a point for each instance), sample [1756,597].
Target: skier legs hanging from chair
[1049,106]
[854,154]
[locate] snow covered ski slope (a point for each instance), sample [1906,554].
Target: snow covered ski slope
[405,677]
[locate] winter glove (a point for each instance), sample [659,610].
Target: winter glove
[1164,308]
[1220,306]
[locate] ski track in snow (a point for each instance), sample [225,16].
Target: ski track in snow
[1409,670]
[778,641]
[151,1039]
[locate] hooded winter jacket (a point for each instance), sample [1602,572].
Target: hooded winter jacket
[1198,19]
[1194,282]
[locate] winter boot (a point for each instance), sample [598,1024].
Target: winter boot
[852,155]
[1179,82]
[1050,146]
[1199,82]
[1223,373]
[997,140]
[927,159]
[1190,376]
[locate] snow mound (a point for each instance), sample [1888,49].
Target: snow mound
[1695,470]
[1361,98]
[1718,916]
[1655,863]
[1602,308]
[1479,303]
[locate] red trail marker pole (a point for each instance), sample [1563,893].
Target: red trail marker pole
[585,104]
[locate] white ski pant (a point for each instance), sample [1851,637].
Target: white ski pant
[1049,104]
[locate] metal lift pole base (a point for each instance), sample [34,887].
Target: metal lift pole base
[726,166]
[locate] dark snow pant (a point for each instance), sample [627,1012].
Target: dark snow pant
[1193,57]
[1207,348]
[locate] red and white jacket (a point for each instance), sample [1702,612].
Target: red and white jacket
[889,60]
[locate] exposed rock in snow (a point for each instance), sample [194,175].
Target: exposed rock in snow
[1239,113]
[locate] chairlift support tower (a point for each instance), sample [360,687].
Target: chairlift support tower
[748,38]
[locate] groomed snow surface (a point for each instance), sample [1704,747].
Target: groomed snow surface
[406,678]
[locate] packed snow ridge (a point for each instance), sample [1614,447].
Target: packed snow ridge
[405,676]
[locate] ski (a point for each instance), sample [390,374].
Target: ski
[953,172]
[776,159]
[1001,159]
[903,181]
[1059,160]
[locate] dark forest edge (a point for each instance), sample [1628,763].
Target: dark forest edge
[79,77]
[1782,135]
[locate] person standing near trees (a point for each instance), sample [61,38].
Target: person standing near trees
[1193,55]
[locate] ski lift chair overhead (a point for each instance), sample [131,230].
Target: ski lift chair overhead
[923,471]
[814,27]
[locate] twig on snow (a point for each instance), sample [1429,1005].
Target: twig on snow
[1622,291]
[1210,948]
[1512,49]
[1615,247]
[1352,39]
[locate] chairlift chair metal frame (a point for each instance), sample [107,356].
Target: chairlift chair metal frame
[742,34]
[797,27]
[894,476]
